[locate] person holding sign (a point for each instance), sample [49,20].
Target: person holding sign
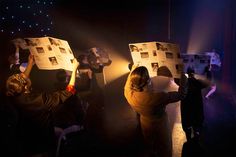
[151,106]
[35,133]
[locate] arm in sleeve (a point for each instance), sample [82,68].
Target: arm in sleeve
[171,97]
[59,97]
[204,83]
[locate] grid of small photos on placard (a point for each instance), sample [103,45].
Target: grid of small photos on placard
[155,54]
[50,53]
[198,62]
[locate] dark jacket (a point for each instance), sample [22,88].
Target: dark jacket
[35,131]
[192,105]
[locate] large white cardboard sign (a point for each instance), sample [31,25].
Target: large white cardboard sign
[155,54]
[50,53]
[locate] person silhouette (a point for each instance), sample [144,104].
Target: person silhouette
[151,108]
[192,114]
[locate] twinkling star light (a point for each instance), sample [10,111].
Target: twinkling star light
[26,17]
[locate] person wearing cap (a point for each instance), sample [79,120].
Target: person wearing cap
[151,106]
[35,131]
[192,114]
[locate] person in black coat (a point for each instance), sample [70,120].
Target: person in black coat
[35,131]
[192,114]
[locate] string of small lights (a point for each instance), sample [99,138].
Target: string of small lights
[26,17]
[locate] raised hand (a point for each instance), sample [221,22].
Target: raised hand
[31,59]
[75,64]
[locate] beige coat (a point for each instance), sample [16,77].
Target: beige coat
[151,106]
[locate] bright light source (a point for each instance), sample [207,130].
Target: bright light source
[118,67]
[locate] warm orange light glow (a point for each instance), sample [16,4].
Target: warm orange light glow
[80,32]
[118,67]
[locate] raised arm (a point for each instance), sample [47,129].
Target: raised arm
[175,96]
[29,66]
[57,98]
[128,82]
[70,87]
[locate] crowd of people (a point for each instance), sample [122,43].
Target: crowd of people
[33,121]
[150,105]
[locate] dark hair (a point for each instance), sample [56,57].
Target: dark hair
[190,70]
[164,71]
[139,78]
[61,75]
[81,57]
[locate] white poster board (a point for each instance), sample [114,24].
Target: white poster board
[198,62]
[50,53]
[155,54]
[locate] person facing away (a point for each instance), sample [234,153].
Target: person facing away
[192,114]
[151,105]
[35,132]
[71,113]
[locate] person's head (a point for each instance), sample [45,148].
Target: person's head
[17,84]
[61,75]
[190,72]
[83,59]
[92,60]
[139,78]
[164,71]
[18,42]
